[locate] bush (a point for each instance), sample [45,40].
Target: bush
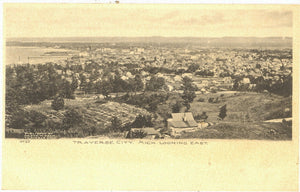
[58,103]
[223,111]
[36,119]
[116,124]
[72,118]
[216,100]
[101,101]
[211,99]
[18,120]
[142,121]
[14,135]
[136,134]
[201,100]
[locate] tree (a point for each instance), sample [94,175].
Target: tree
[89,86]
[36,119]
[136,84]
[188,91]
[82,80]
[58,103]
[72,117]
[258,66]
[17,120]
[116,124]
[236,85]
[136,134]
[142,121]
[155,83]
[176,107]
[203,117]
[223,112]
[261,84]
[67,90]
[105,88]
[192,68]
[74,83]
[118,84]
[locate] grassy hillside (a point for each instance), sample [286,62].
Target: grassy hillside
[269,131]
[248,106]
[246,113]
[96,117]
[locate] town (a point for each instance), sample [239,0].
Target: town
[153,91]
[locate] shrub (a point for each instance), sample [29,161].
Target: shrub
[72,118]
[58,103]
[142,121]
[216,100]
[116,124]
[213,91]
[211,99]
[101,101]
[201,100]
[36,119]
[223,111]
[136,134]
[17,120]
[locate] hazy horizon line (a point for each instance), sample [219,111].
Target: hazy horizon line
[154,36]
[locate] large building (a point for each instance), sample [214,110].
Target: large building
[182,122]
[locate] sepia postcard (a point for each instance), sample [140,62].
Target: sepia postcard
[150,97]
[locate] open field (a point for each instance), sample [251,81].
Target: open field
[244,106]
[246,116]
[234,130]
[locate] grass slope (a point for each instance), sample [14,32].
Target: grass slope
[246,106]
[259,131]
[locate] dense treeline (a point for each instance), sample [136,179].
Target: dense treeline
[32,84]
[148,101]
[283,86]
[26,84]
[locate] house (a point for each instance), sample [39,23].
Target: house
[189,75]
[182,122]
[170,87]
[83,54]
[246,81]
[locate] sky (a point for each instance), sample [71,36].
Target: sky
[98,20]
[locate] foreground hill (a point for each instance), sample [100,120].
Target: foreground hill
[243,106]
[234,130]
[95,117]
[247,113]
